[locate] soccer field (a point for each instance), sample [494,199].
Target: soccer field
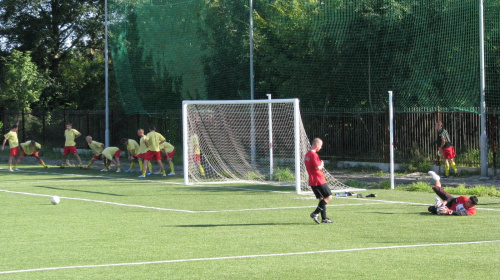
[118,226]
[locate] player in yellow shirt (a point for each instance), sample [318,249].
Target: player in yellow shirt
[111,154]
[142,151]
[70,134]
[14,147]
[153,141]
[96,147]
[195,147]
[167,153]
[133,152]
[31,148]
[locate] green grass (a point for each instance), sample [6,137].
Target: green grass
[237,231]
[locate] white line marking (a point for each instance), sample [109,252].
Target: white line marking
[250,256]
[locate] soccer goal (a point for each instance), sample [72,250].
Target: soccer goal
[247,141]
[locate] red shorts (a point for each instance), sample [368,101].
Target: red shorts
[150,155]
[34,154]
[197,158]
[135,157]
[449,153]
[14,151]
[69,150]
[118,154]
[140,156]
[95,157]
[169,155]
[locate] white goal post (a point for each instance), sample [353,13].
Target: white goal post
[259,141]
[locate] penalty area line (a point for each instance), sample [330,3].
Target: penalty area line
[249,256]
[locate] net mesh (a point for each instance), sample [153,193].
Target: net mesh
[235,144]
[328,53]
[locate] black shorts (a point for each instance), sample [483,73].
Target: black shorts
[322,191]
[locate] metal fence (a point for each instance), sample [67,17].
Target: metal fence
[347,135]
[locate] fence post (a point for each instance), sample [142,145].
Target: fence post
[494,134]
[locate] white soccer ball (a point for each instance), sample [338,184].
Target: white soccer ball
[55,199]
[443,210]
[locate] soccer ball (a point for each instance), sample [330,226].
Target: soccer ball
[443,210]
[55,200]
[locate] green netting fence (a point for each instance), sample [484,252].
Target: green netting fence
[329,53]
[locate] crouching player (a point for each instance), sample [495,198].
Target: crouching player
[459,206]
[133,153]
[167,153]
[111,154]
[31,148]
[96,147]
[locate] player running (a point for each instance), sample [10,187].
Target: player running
[11,136]
[458,206]
[31,148]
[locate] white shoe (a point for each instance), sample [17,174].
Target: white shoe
[439,203]
[105,170]
[171,174]
[17,169]
[118,171]
[434,175]
[142,176]
[164,175]
[11,170]
[158,173]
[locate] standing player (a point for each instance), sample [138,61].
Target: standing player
[317,181]
[11,136]
[458,206]
[70,134]
[111,154]
[133,152]
[142,151]
[195,146]
[445,149]
[153,141]
[96,147]
[31,148]
[167,153]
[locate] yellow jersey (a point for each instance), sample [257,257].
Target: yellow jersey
[12,137]
[70,137]
[133,147]
[142,145]
[154,138]
[109,152]
[96,147]
[195,144]
[167,146]
[28,148]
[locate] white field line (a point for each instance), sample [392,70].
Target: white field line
[149,181]
[251,256]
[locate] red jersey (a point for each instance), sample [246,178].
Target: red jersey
[316,176]
[459,206]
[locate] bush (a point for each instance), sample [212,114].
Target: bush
[284,175]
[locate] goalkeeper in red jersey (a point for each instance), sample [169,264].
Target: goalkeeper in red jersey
[458,206]
[317,181]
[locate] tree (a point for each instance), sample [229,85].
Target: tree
[57,32]
[23,84]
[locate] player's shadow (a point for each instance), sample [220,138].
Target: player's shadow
[235,225]
[74,190]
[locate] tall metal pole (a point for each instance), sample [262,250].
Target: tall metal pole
[252,96]
[252,90]
[391,140]
[483,138]
[106,87]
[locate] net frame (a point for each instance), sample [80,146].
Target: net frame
[196,112]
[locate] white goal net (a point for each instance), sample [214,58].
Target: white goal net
[247,141]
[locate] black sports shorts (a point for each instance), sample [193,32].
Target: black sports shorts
[321,191]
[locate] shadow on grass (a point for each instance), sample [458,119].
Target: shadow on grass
[237,225]
[73,190]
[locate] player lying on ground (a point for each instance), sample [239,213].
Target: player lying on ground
[459,206]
